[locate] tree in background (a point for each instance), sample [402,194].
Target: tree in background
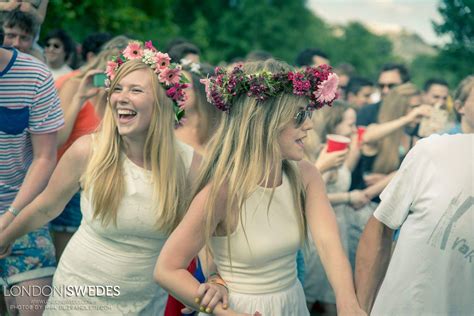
[455,59]
[224,30]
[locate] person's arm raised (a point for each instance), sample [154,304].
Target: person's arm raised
[325,233]
[61,187]
[376,132]
[73,94]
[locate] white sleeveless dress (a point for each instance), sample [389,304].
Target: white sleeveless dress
[262,276]
[115,264]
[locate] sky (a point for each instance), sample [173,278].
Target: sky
[412,15]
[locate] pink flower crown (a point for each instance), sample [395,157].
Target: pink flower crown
[318,84]
[169,74]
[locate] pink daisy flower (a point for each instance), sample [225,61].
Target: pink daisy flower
[162,61]
[133,51]
[110,69]
[170,76]
[327,89]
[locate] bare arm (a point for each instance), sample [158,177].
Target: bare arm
[44,161]
[63,184]
[372,259]
[376,132]
[39,13]
[354,154]
[181,247]
[327,161]
[377,188]
[9,5]
[325,233]
[73,94]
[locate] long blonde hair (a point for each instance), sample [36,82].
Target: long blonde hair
[104,174]
[394,106]
[209,115]
[244,150]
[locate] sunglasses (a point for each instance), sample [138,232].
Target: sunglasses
[301,116]
[388,85]
[54,45]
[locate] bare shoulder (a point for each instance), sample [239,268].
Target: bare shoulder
[308,171]
[69,88]
[80,151]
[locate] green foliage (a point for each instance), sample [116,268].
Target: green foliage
[458,22]
[454,61]
[224,30]
[361,48]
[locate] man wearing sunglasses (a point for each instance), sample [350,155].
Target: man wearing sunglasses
[390,76]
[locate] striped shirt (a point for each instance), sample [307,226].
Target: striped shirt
[28,105]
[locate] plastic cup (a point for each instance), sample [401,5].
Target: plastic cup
[337,142]
[360,133]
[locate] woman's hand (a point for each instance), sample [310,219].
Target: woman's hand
[358,199]
[5,220]
[327,161]
[373,178]
[27,7]
[86,89]
[5,250]
[418,113]
[209,295]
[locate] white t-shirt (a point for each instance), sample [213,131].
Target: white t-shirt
[431,199]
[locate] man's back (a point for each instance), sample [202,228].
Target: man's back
[431,199]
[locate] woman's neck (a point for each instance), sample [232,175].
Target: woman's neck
[134,151]
[189,132]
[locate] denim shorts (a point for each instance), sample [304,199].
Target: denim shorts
[32,257]
[70,218]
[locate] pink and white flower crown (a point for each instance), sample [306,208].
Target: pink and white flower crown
[169,74]
[318,84]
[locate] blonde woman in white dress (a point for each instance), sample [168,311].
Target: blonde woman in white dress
[134,176]
[255,195]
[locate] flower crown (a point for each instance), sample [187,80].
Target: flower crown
[319,84]
[191,66]
[169,74]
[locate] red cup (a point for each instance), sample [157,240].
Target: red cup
[337,142]
[360,133]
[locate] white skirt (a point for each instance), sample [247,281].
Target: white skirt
[288,302]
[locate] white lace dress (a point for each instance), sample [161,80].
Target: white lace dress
[114,264]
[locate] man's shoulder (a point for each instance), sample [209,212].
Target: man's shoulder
[29,64]
[444,146]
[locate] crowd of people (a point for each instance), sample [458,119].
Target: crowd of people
[141,182]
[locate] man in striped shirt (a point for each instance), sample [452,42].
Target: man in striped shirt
[30,117]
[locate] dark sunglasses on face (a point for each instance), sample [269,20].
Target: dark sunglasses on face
[388,85]
[54,45]
[301,116]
